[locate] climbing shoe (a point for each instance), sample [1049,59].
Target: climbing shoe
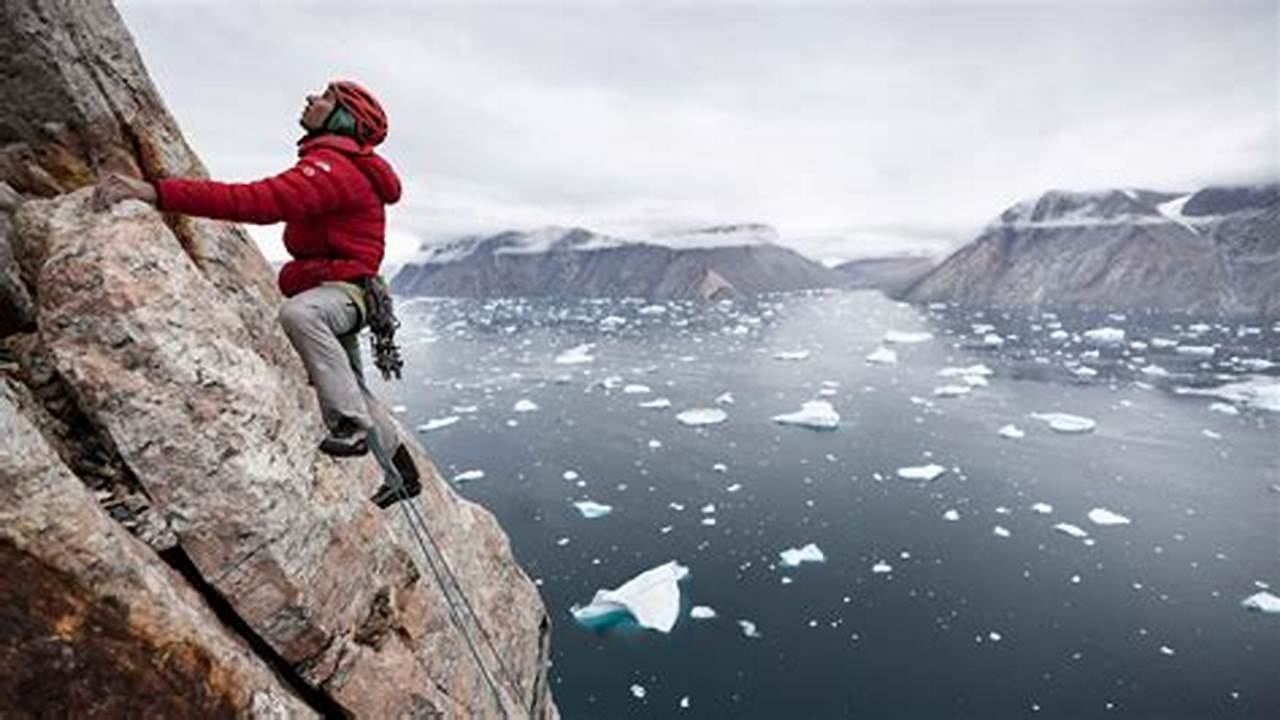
[347,439]
[386,496]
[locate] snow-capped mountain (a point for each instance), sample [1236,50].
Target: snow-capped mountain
[1216,250]
[704,263]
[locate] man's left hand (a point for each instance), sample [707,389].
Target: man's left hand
[114,187]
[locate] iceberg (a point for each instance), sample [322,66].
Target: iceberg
[815,414]
[437,423]
[1072,530]
[1103,516]
[951,515]
[809,553]
[656,404]
[525,405]
[881,568]
[1259,392]
[702,416]
[927,473]
[749,629]
[468,476]
[702,612]
[592,510]
[576,355]
[1065,423]
[638,691]
[899,337]
[1013,432]
[1262,602]
[635,389]
[883,356]
[652,598]
[1105,336]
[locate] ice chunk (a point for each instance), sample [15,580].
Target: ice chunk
[656,404]
[576,355]
[1262,602]
[1103,516]
[468,476]
[437,423]
[1000,531]
[570,475]
[684,702]
[883,356]
[635,389]
[749,629]
[1154,370]
[1013,432]
[1105,336]
[702,612]
[1072,530]
[792,355]
[1196,350]
[1042,508]
[652,310]
[992,340]
[899,337]
[978,370]
[638,691]
[525,405]
[725,399]
[950,391]
[951,516]
[1166,650]
[1260,392]
[809,553]
[1224,408]
[702,416]
[591,509]
[927,473]
[652,598]
[816,414]
[881,568]
[1065,423]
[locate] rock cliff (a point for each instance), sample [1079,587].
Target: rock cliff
[1215,251]
[707,264]
[183,548]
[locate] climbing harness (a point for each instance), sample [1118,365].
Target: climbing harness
[418,527]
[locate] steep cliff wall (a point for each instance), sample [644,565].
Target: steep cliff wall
[187,545]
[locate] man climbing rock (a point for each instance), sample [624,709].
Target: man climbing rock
[333,205]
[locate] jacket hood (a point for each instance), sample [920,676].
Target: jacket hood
[373,166]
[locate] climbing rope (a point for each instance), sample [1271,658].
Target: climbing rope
[418,526]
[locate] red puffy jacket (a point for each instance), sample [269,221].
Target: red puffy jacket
[332,203]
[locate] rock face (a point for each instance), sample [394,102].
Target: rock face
[162,489]
[706,264]
[1216,251]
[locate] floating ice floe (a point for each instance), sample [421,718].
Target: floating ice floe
[592,510]
[725,399]
[638,691]
[437,423]
[951,516]
[1260,392]
[652,598]
[978,370]
[883,356]
[1196,350]
[815,414]
[900,337]
[1224,408]
[570,475]
[1072,530]
[1042,508]
[525,405]
[468,476]
[695,417]
[881,568]
[576,355]
[1013,432]
[1163,343]
[809,553]
[1103,516]
[792,355]
[1154,370]
[652,310]
[399,409]
[1105,336]
[1066,423]
[1000,531]
[749,629]
[656,404]
[702,612]
[635,389]
[992,340]
[950,391]
[927,473]
[1262,602]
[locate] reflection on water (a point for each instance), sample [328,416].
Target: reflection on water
[997,588]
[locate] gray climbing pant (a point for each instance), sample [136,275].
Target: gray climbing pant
[322,323]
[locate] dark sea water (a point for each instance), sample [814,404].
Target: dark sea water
[995,614]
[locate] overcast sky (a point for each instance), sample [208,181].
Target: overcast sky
[854,129]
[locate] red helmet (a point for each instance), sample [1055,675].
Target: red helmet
[371,120]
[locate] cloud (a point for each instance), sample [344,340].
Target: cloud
[831,121]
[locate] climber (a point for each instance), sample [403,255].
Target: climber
[333,205]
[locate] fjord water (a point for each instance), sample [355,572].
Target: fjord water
[1141,620]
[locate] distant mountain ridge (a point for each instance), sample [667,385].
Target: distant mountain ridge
[708,263]
[1216,250]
